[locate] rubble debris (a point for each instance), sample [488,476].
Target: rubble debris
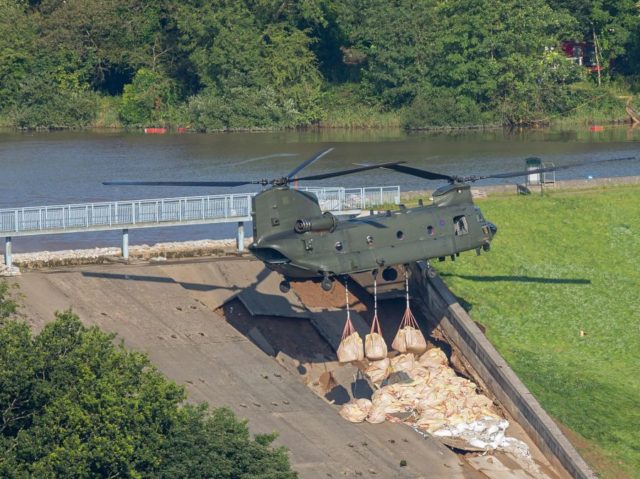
[6,271]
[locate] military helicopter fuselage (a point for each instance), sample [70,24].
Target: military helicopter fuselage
[295,238]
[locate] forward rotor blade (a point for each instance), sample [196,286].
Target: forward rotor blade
[429,175]
[311,160]
[178,183]
[546,169]
[333,174]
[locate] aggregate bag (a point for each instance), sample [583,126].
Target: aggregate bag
[356,411]
[403,362]
[409,337]
[350,348]
[375,347]
[399,342]
[378,371]
[414,340]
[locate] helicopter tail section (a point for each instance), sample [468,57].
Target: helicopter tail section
[279,210]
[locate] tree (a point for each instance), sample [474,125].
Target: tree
[17,37]
[236,56]
[145,99]
[395,39]
[75,405]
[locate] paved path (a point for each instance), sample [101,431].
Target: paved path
[167,310]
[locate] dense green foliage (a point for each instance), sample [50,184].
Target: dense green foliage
[225,64]
[74,405]
[8,306]
[561,264]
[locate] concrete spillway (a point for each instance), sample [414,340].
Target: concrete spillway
[222,328]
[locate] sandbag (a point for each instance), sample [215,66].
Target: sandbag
[375,347]
[356,411]
[378,371]
[377,414]
[350,349]
[433,358]
[409,338]
[414,340]
[399,342]
[403,362]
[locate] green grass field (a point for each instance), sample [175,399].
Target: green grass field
[561,264]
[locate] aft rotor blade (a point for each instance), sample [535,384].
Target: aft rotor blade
[333,174]
[311,160]
[429,175]
[546,169]
[178,183]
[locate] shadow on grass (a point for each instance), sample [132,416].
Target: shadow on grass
[517,279]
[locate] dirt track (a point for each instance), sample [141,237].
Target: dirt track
[169,310]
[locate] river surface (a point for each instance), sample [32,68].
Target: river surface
[55,168]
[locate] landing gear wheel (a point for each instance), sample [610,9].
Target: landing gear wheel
[285,286]
[326,284]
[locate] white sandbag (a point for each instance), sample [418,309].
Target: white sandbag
[378,371]
[376,414]
[356,411]
[350,349]
[399,342]
[433,357]
[414,340]
[375,347]
[403,362]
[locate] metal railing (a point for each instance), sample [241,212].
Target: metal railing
[171,211]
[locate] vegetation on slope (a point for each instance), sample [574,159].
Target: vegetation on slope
[558,296]
[75,405]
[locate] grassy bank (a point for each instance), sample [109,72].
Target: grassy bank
[558,296]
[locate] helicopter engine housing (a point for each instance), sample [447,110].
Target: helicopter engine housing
[326,222]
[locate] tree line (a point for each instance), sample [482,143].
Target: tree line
[225,64]
[73,404]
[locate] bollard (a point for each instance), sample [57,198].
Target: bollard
[7,251]
[125,243]
[240,238]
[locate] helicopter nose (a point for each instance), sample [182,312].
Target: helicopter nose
[493,228]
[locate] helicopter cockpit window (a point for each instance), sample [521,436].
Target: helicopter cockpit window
[369,239]
[430,230]
[339,245]
[460,225]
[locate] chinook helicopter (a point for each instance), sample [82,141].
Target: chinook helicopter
[294,237]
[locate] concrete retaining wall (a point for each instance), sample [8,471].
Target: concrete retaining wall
[446,315]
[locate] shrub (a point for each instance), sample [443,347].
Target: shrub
[441,108]
[146,99]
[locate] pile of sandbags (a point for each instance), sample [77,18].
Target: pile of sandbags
[435,398]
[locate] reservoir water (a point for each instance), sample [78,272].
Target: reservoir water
[38,168]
